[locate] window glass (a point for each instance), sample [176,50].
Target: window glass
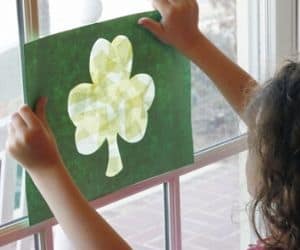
[214,202]
[68,14]
[10,100]
[86,12]
[214,120]
[8,23]
[139,219]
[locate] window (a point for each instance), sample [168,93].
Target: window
[12,205]
[10,99]
[248,31]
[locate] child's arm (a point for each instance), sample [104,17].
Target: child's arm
[179,28]
[31,142]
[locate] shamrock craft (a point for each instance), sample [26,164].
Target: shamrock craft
[113,104]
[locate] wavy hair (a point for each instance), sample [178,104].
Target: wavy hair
[273,116]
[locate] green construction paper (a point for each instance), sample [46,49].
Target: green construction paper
[57,64]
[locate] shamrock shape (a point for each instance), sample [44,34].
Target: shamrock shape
[113,104]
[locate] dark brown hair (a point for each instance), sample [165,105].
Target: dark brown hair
[273,116]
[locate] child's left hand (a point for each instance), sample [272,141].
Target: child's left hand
[30,140]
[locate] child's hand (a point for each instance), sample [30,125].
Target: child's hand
[179,24]
[30,139]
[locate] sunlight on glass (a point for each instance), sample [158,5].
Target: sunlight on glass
[124,8]
[68,14]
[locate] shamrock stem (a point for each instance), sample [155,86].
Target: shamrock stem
[115,164]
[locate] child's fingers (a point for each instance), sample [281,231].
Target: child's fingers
[181,1]
[10,144]
[17,123]
[40,110]
[11,141]
[28,116]
[11,130]
[193,3]
[176,1]
[153,26]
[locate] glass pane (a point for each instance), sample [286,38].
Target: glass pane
[68,14]
[124,8]
[213,119]
[139,219]
[214,206]
[85,12]
[10,100]
[24,244]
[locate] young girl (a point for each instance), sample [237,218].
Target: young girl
[274,140]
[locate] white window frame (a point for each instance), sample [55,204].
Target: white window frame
[260,45]
[272,35]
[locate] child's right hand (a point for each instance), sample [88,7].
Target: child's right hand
[179,24]
[30,139]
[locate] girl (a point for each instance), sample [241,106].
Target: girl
[274,140]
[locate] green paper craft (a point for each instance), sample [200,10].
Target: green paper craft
[119,105]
